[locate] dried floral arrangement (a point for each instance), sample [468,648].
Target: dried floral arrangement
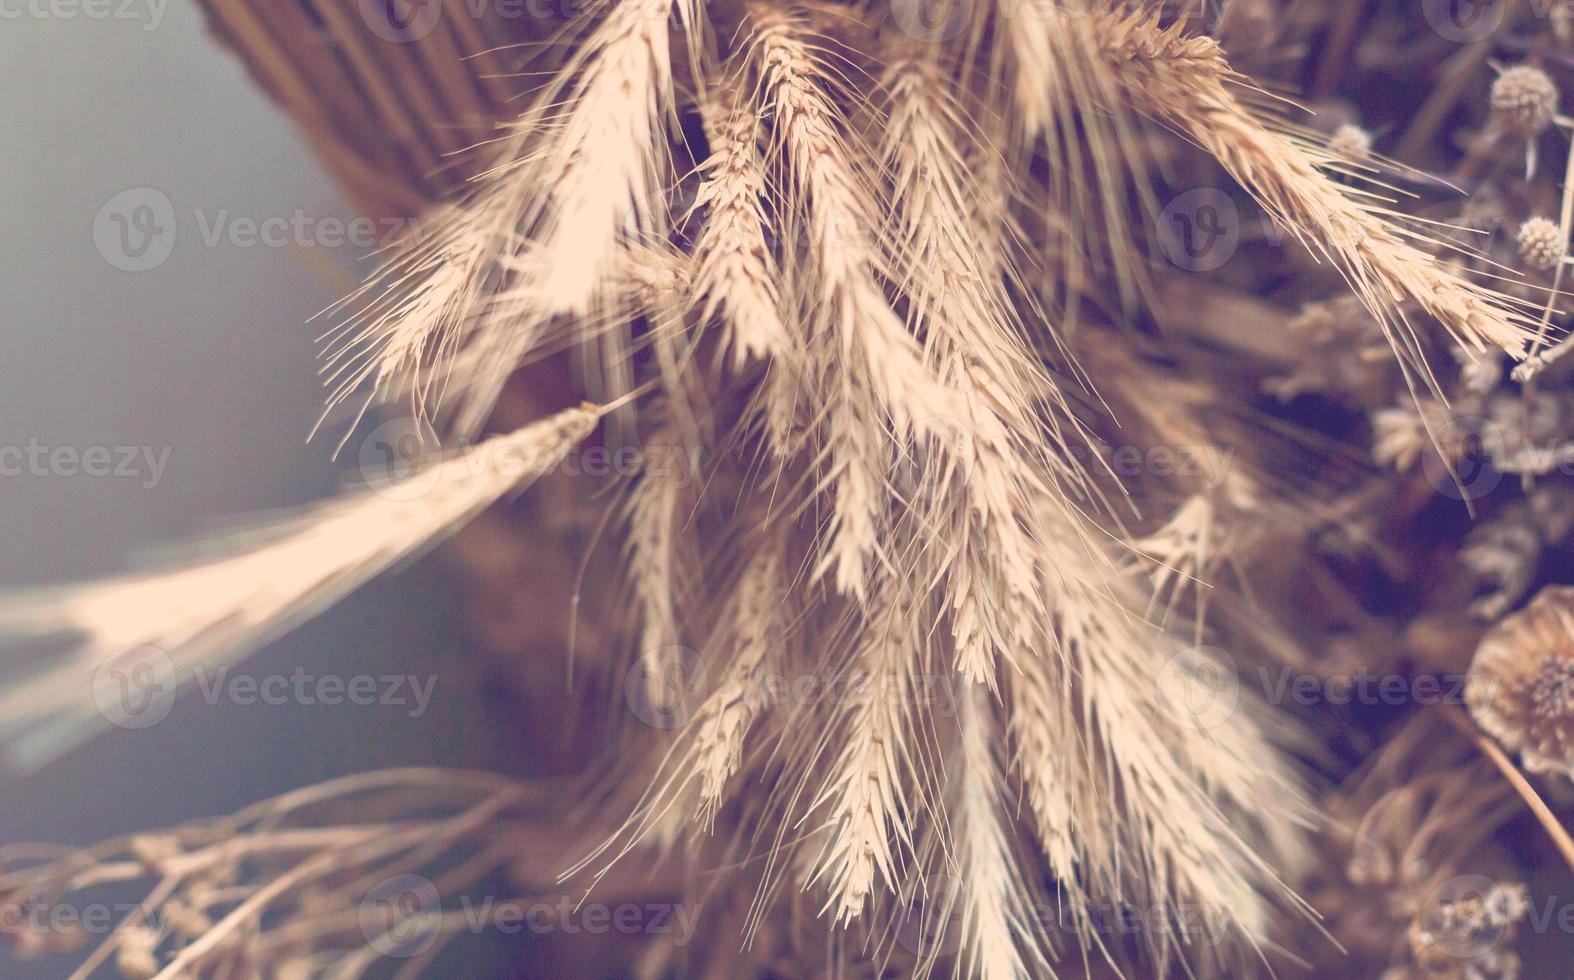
[1092,515]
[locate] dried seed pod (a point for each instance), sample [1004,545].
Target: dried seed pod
[186,920]
[1482,373]
[1521,685]
[1524,100]
[1448,934]
[1502,556]
[135,959]
[1350,142]
[1541,243]
[153,850]
[1505,905]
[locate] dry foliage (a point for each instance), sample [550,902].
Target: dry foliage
[878,295]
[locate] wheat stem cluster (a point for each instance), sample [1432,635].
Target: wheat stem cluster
[852,269]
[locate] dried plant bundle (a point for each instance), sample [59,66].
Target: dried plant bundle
[904,633]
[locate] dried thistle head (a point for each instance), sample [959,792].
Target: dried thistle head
[1524,100]
[1465,935]
[1541,243]
[1521,686]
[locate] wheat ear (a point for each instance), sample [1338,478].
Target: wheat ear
[736,272]
[595,171]
[952,273]
[835,200]
[868,819]
[1062,88]
[1048,755]
[658,549]
[213,610]
[413,311]
[575,184]
[729,712]
[507,330]
[997,918]
[691,777]
[1186,82]
[869,368]
[1169,770]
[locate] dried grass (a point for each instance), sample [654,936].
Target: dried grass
[896,502]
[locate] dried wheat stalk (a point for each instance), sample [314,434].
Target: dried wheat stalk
[736,272]
[895,503]
[1186,82]
[209,611]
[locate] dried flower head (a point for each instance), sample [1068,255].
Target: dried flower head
[1399,432]
[1524,100]
[1541,243]
[1350,142]
[1459,937]
[1480,373]
[1521,686]
[135,959]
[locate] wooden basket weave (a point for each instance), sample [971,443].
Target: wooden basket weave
[393,95]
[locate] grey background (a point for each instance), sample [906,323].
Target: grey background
[209,355]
